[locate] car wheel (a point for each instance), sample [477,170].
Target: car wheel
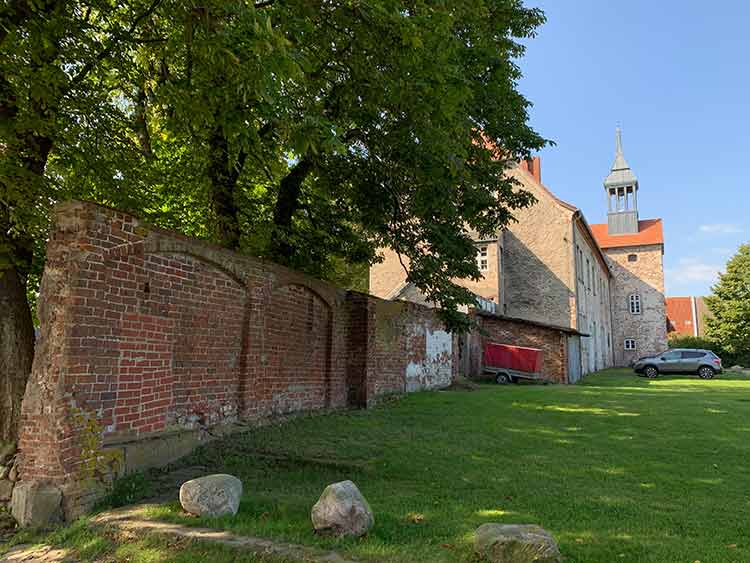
[651,372]
[503,378]
[706,372]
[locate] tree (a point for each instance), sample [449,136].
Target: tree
[329,129]
[730,305]
[52,55]
[309,132]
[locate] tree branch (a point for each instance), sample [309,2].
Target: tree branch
[107,51]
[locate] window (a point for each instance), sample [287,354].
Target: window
[634,302]
[482,261]
[692,355]
[588,273]
[671,356]
[632,258]
[630,344]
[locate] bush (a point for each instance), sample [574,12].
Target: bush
[728,359]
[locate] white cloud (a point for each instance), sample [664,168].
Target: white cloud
[693,274]
[720,228]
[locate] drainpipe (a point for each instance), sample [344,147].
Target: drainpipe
[694,311]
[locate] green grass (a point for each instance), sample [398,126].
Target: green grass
[618,468]
[99,545]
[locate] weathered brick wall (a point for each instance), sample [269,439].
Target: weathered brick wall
[398,329]
[552,341]
[145,332]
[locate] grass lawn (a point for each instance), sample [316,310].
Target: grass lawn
[618,468]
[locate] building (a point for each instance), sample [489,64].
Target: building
[560,279]
[555,273]
[686,316]
[604,283]
[634,250]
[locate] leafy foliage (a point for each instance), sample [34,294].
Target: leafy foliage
[315,133]
[682,341]
[730,305]
[312,133]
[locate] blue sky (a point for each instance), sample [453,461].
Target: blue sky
[676,77]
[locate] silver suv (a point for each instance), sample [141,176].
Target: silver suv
[680,360]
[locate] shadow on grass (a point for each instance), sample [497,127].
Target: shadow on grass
[618,468]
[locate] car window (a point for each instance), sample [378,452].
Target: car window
[671,355]
[689,355]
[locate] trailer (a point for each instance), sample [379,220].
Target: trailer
[508,364]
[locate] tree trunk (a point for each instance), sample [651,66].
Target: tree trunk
[16,350]
[287,204]
[224,174]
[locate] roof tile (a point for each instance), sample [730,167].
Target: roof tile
[649,232]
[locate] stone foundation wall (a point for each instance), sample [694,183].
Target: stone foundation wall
[148,335]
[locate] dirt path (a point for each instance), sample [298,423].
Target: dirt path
[131,519]
[36,554]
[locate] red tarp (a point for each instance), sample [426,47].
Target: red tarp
[512,357]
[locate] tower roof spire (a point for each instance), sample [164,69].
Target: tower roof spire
[620,174]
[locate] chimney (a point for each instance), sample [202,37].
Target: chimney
[534,167]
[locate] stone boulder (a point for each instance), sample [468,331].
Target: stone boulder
[213,495]
[516,543]
[36,505]
[342,511]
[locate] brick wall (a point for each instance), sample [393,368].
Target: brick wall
[145,333]
[552,341]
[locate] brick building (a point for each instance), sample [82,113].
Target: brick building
[605,283]
[686,316]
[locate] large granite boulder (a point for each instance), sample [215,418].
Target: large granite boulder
[213,495]
[516,543]
[342,511]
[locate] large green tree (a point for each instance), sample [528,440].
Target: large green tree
[312,132]
[730,305]
[54,58]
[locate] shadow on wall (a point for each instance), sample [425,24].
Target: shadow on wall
[532,290]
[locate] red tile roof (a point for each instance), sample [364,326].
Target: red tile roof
[680,315]
[649,232]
